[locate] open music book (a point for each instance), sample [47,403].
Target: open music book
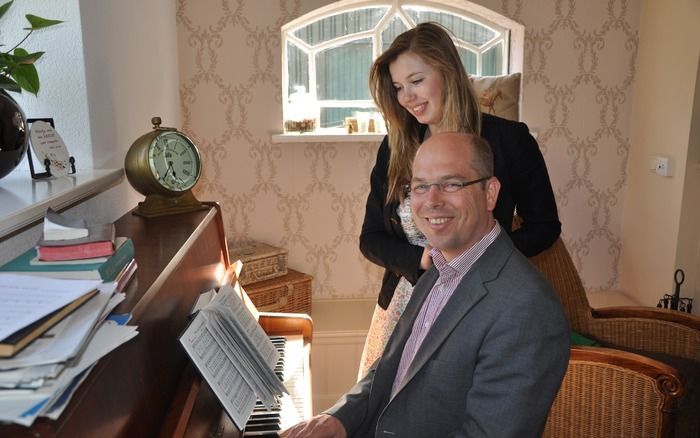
[233,354]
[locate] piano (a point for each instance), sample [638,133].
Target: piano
[147,387]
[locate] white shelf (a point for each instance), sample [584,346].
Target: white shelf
[23,201]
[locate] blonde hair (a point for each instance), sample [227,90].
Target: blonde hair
[460,111]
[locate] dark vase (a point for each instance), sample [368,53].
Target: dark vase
[14,137]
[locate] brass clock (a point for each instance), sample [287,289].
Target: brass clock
[164,165]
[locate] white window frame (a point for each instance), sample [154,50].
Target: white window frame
[511,36]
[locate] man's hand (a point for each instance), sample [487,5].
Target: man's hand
[320,426]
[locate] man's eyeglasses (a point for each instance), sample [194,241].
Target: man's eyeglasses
[445,187]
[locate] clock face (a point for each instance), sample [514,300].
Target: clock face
[174,161]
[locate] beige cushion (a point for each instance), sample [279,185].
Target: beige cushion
[499,95]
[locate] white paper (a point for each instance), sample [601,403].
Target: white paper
[60,227]
[24,409]
[25,299]
[65,339]
[235,394]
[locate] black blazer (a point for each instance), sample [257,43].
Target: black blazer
[518,165]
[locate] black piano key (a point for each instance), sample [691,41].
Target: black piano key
[271,423]
[265,415]
[263,427]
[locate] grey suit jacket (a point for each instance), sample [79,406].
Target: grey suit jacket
[490,366]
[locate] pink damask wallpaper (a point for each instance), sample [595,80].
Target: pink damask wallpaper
[309,197]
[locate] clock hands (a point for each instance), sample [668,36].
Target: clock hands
[167,171]
[171,170]
[175,177]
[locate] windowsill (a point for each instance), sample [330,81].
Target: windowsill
[332,136]
[23,201]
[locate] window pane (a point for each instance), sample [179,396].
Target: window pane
[392,30]
[468,60]
[335,117]
[339,25]
[492,61]
[297,68]
[465,30]
[342,71]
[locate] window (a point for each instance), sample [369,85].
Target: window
[327,54]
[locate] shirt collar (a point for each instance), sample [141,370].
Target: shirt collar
[461,264]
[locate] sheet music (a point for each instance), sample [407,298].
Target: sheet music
[256,343]
[64,340]
[25,299]
[234,355]
[235,394]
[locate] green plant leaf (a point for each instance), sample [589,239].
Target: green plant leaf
[7,61]
[21,56]
[40,23]
[4,8]
[9,85]
[27,77]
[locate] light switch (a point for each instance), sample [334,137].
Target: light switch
[662,166]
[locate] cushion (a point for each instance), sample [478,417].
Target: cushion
[499,95]
[579,339]
[687,421]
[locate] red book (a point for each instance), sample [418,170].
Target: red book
[75,252]
[98,243]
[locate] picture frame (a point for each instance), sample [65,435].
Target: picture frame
[53,155]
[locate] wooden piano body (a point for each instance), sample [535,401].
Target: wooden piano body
[147,387]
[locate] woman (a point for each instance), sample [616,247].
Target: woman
[421,87]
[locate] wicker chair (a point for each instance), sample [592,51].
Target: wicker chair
[610,393]
[667,335]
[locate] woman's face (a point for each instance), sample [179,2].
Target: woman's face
[418,88]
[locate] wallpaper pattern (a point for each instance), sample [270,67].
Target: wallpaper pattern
[309,197]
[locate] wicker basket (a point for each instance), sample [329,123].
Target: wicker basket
[260,262]
[290,293]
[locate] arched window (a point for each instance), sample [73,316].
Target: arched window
[327,53]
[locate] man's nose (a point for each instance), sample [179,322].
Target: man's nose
[434,195]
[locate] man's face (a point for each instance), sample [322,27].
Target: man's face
[452,222]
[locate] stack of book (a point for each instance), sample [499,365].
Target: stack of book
[55,322]
[70,249]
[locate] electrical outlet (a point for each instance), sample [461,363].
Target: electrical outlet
[663,166]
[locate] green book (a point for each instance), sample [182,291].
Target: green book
[105,271]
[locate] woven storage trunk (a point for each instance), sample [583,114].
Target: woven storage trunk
[290,293]
[260,262]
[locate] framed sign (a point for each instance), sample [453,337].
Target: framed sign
[48,147]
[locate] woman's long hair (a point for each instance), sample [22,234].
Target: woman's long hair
[460,106]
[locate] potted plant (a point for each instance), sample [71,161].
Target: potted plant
[17,73]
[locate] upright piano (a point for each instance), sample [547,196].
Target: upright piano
[147,387]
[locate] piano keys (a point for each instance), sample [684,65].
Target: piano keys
[293,370]
[196,412]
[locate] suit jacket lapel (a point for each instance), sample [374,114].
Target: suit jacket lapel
[469,291]
[389,363]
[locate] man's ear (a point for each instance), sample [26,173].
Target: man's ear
[493,186]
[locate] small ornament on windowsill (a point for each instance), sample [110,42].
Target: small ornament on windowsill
[50,150]
[301,114]
[301,126]
[675,302]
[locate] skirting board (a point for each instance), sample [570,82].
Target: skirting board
[335,358]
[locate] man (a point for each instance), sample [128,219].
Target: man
[483,345]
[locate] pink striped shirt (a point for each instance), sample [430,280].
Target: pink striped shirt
[450,274]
